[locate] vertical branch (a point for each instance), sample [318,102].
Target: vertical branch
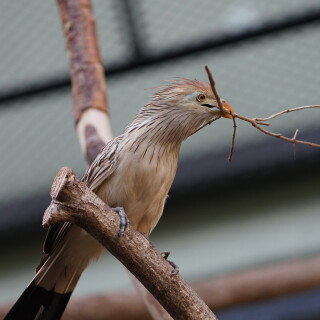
[90,108]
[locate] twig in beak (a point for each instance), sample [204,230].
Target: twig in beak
[258,122]
[233,138]
[215,93]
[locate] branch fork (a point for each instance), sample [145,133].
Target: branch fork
[74,202]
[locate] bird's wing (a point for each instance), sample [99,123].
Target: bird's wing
[102,167]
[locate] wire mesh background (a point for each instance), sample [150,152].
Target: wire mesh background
[143,43]
[257,77]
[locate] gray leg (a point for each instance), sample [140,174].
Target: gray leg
[124,221]
[173,264]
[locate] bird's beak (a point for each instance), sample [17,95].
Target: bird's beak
[227,109]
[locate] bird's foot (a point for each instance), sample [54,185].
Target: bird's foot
[124,221]
[173,264]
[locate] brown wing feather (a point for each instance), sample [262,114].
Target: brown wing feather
[102,167]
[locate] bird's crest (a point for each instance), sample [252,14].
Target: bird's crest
[181,86]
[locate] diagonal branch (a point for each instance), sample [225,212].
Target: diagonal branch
[73,201]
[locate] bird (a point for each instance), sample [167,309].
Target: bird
[133,175]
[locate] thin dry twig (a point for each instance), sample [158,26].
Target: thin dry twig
[294,145]
[233,138]
[276,135]
[213,87]
[216,95]
[285,111]
[258,122]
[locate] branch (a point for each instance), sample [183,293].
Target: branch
[90,108]
[286,111]
[256,123]
[214,90]
[233,138]
[73,202]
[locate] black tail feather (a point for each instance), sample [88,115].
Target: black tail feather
[55,306]
[36,303]
[29,303]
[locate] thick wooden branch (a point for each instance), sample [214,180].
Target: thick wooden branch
[90,107]
[73,202]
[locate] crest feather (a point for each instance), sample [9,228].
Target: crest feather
[181,86]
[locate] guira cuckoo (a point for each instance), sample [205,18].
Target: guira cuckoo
[134,171]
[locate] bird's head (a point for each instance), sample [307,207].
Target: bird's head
[178,110]
[192,96]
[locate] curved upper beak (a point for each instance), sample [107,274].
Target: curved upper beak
[228,110]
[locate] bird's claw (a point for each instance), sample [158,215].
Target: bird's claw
[124,221]
[173,264]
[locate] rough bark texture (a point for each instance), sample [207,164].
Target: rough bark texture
[87,74]
[73,202]
[94,144]
[90,108]
[154,310]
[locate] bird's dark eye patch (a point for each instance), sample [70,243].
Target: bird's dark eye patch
[208,105]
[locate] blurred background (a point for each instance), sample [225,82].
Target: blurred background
[221,217]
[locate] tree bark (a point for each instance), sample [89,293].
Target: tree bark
[90,108]
[73,201]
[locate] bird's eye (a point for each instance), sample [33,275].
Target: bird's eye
[201,97]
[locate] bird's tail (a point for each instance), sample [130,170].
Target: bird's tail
[47,295]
